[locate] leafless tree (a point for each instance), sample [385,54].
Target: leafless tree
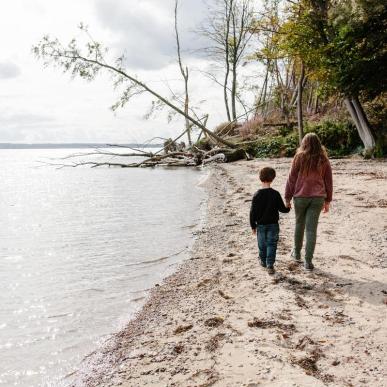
[228,29]
[185,74]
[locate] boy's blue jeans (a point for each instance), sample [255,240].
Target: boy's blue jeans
[267,235]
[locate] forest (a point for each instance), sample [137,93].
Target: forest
[320,67]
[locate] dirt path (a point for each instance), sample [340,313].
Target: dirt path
[222,321]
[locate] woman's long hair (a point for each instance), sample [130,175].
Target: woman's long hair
[311,155]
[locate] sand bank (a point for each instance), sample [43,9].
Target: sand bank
[221,320]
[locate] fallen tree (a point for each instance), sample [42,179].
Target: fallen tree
[190,158]
[89,62]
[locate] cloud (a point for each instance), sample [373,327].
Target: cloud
[145,29]
[21,125]
[42,105]
[25,126]
[24,119]
[8,70]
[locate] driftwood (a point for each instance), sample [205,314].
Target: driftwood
[192,157]
[172,154]
[219,157]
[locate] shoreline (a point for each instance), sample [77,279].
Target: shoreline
[219,319]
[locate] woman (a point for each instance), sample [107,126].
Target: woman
[310,185]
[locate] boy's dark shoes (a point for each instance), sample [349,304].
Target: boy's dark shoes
[270,270]
[308,266]
[263,264]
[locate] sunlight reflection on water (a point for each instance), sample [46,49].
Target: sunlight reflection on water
[79,248]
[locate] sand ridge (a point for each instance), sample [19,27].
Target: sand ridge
[221,320]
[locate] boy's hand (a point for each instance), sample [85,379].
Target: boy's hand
[288,204]
[254,231]
[326,207]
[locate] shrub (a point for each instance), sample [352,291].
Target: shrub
[269,147]
[290,144]
[285,130]
[339,137]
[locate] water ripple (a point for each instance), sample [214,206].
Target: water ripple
[75,248]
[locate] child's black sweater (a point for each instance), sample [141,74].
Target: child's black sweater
[265,206]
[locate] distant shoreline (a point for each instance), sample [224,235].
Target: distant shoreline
[74,146]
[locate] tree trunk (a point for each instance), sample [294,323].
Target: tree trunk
[186,107]
[234,58]
[369,137]
[185,75]
[293,100]
[227,58]
[159,97]
[233,92]
[310,100]
[262,95]
[282,90]
[225,96]
[299,104]
[315,108]
[360,120]
[204,124]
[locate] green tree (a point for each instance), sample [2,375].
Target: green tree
[343,44]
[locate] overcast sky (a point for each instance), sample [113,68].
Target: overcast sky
[40,104]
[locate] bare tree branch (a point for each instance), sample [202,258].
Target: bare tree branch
[71,60]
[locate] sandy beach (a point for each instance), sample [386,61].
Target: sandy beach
[221,320]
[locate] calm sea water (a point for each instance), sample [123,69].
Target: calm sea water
[79,248]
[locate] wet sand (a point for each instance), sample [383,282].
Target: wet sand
[221,320]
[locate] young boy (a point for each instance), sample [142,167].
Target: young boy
[264,217]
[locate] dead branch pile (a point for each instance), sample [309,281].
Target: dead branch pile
[191,157]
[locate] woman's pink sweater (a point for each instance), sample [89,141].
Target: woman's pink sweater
[314,184]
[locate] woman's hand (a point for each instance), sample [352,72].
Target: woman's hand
[326,207]
[288,204]
[254,231]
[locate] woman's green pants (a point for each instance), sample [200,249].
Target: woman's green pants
[307,214]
